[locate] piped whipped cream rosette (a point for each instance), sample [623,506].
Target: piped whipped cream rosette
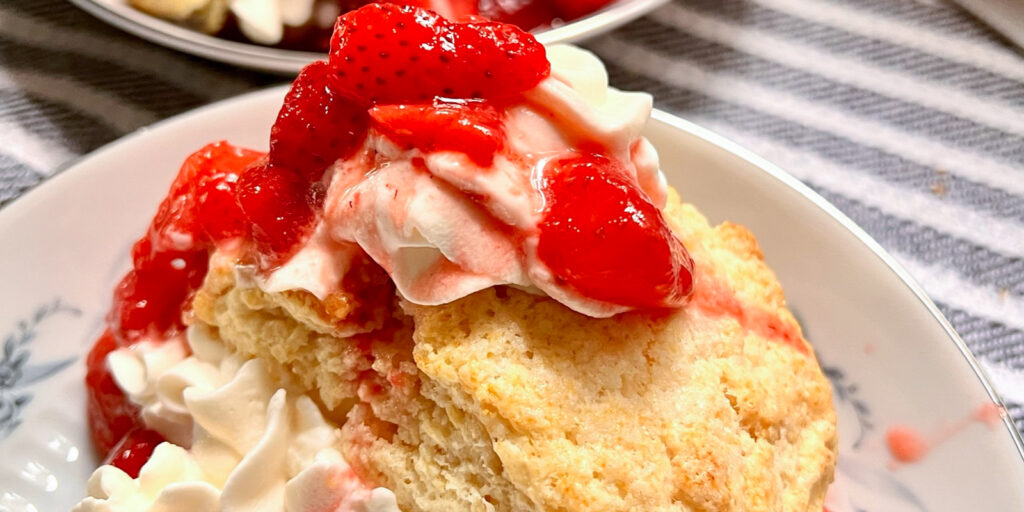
[239,440]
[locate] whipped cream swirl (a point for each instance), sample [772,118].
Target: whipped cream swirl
[444,227]
[253,444]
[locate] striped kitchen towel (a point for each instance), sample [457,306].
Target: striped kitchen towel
[907,115]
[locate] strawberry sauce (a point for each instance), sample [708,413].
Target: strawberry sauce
[908,445]
[169,263]
[604,238]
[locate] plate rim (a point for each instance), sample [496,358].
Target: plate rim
[289,62]
[16,210]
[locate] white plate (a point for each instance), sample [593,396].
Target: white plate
[121,15]
[893,358]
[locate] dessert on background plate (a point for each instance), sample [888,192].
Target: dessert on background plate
[457,281]
[307,24]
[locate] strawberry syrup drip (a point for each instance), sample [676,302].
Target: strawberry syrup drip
[908,445]
[715,298]
[602,236]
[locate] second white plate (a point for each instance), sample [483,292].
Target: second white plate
[289,62]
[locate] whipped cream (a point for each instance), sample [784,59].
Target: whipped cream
[445,233]
[240,441]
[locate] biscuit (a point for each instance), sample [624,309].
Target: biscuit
[509,401]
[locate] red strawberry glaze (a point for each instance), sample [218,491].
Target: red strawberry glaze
[715,298]
[279,207]
[473,128]
[111,415]
[168,264]
[906,444]
[602,236]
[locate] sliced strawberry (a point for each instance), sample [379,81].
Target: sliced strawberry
[383,53]
[213,161]
[603,237]
[316,125]
[200,208]
[134,450]
[497,60]
[218,215]
[111,415]
[276,202]
[467,127]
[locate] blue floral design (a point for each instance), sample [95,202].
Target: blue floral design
[847,392]
[865,481]
[857,473]
[15,371]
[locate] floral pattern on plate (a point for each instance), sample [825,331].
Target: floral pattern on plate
[17,372]
[860,485]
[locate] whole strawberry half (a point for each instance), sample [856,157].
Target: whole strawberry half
[384,53]
[317,124]
[603,237]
